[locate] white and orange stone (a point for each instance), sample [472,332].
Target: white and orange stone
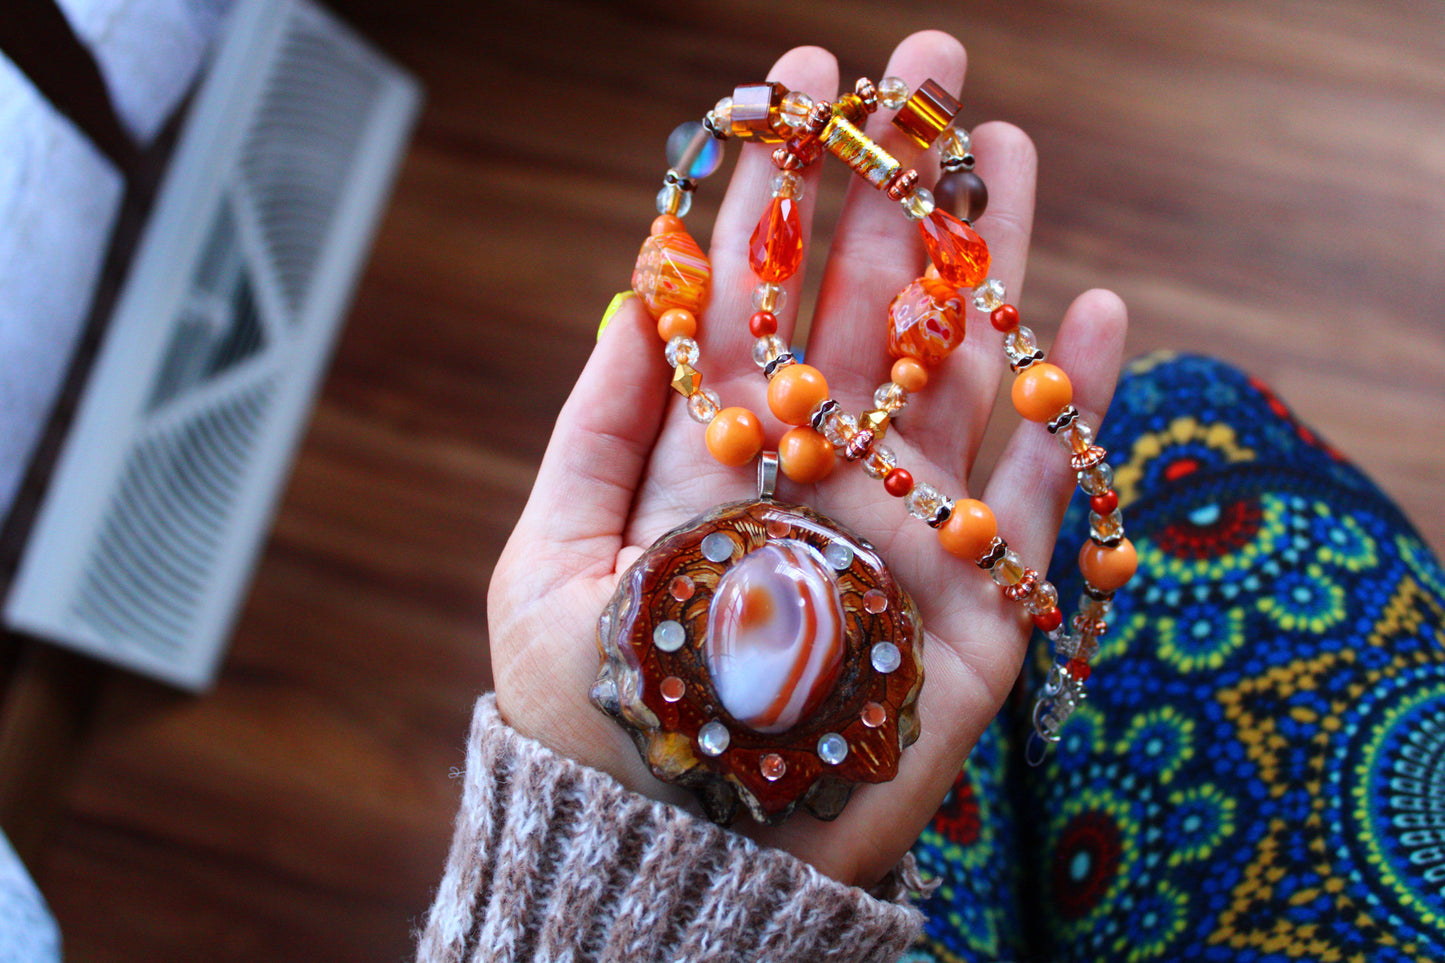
[774,642]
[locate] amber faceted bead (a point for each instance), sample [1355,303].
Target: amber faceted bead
[795,391]
[909,374]
[735,436]
[805,456]
[962,193]
[970,529]
[1041,390]
[776,250]
[1108,568]
[956,249]
[676,323]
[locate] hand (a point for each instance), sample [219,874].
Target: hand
[627,464]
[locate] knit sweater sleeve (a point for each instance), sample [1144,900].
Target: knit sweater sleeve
[552,860]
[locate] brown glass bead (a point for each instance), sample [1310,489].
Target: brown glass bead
[963,193]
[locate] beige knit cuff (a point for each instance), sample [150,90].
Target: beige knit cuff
[552,860]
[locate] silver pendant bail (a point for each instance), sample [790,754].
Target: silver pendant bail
[767,476]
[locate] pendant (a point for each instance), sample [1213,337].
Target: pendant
[762,655]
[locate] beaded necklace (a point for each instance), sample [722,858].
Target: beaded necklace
[762,654]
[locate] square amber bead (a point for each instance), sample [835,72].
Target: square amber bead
[756,110]
[926,113]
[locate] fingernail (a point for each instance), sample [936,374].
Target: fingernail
[613,307]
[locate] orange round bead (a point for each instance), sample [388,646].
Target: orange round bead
[795,391]
[735,436]
[1108,569]
[676,323]
[909,374]
[666,224]
[805,456]
[1041,390]
[969,530]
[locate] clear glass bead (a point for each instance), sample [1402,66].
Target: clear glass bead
[1078,436]
[769,297]
[1097,480]
[919,204]
[892,92]
[924,501]
[954,142]
[1008,569]
[788,184]
[1044,597]
[767,348]
[795,108]
[673,200]
[839,428]
[722,113]
[989,295]
[891,397]
[1019,344]
[703,405]
[707,151]
[1093,609]
[879,461]
[681,350]
[1106,528]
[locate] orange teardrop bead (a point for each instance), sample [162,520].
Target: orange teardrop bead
[956,249]
[776,250]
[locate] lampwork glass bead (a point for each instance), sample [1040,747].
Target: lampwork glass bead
[681,350]
[795,108]
[776,249]
[925,321]
[891,397]
[956,249]
[673,200]
[704,405]
[879,461]
[788,184]
[1098,479]
[989,295]
[671,272]
[767,348]
[1020,343]
[1106,528]
[924,501]
[769,296]
[892,93]
[706,153]
[1045,596]
[1008,569]
[918,204]
[963,193]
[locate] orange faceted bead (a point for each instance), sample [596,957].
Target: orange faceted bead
[956,249]
[1108,569]
[805,456]
[776,250]
[969,530]
[676,323]
[1041,390]
[909,374]
[795,391]
[735,436]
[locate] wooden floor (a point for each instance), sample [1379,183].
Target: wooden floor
[1260,180]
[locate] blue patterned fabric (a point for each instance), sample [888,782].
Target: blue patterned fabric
[1259,772]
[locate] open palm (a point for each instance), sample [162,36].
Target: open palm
[626,463]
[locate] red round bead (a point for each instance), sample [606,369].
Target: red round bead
[763,324]
[1050,620]
[1105,503]
[1079,669]
[1005,318]
[898,482]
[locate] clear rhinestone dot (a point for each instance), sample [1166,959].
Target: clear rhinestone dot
[838,555]
[713,738]
[875,601]
[832,748]
[717,547]
[886,657]
[669,636]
